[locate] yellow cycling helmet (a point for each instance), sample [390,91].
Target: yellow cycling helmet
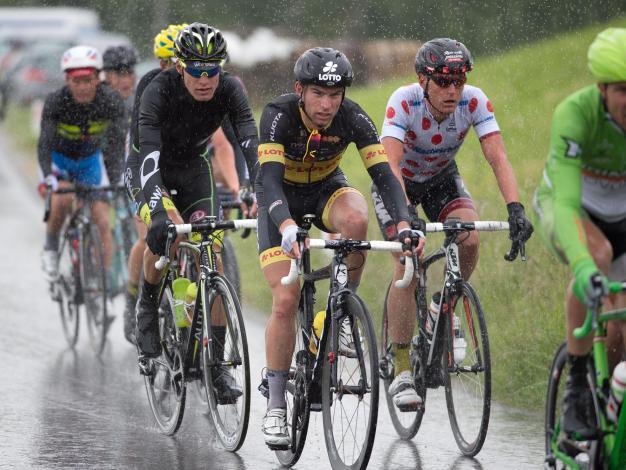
[607,56]
[164,41]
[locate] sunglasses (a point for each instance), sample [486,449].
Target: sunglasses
[444,81]
[202,72]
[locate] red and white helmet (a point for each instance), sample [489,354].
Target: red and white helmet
[81,57]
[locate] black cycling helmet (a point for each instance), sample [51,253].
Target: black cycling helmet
[200,42]
[443,55]
[119,59]
[325,67]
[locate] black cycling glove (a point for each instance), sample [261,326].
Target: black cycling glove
[157,233]
[520,228]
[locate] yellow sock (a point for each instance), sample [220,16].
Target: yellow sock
[401,357]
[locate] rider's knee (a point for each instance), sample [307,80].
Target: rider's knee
[284,304]
[354,224]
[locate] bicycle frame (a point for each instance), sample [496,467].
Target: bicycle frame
[613,435]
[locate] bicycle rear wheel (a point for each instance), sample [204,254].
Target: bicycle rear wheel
[93,283]
[166,386]
[468,376]
[406,423]
[67,285]
[297,390]
[350,404]
[227,379]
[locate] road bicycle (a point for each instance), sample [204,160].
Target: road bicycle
[192,348]
[124,236]
[81,283]
[607,450]
[464,371]
[341,377]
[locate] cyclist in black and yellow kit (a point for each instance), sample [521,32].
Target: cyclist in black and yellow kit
[303,138]
[179,111]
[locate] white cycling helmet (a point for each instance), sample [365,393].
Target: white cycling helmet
[81,57]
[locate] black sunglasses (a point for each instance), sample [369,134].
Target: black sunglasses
[444,81]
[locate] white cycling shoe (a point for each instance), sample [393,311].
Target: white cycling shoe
[402,391]
[275,430]
[50,264]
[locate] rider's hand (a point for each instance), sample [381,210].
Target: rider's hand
[289,242]
[248,203]
[412,240]
[590,285]
[50,181]
[157,233]
[520,228]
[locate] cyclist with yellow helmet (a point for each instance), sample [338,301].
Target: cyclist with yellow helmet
[580,205]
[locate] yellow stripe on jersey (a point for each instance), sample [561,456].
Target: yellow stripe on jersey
[310,171]
[373,154]
[271,153]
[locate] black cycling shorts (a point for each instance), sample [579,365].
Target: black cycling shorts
[438,196]
[315,198]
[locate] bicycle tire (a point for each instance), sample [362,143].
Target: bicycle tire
[93,284]
[297,389]
[477,360]
[67,285]
[166,385]
[230,265]
[406,423]
[351,449]
[235,361]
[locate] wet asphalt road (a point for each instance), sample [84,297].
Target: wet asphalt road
[69,409]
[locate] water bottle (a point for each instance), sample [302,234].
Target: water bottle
[616,396]
[459,344]
[433,314]
[179,288]
[190,300]
[316,334]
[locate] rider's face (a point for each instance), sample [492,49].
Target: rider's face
[321,103]
[614,95]
[83,88]
[444,98]
[201,89]
[122,82]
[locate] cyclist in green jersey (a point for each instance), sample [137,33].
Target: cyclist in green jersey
[580,204]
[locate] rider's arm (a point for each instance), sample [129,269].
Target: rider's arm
[115,138]
[494,152]
[274,124]
[564,173]
[242,120]
[375,160]
[151,108]
[240,159]
[47,135]
[224,158]
[395,151]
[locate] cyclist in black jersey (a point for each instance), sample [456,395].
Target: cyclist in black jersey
[119,72]
[303,138]
[178,112]
[76,121]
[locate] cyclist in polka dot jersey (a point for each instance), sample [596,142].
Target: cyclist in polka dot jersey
[425,125]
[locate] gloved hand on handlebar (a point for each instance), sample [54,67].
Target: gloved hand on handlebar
[520,228]
[590,285]
[157,233]
[290,236]
[50,181]
[412,240]
[248,202]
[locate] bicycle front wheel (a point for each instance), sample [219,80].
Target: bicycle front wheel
[93,283]
[166,386]
[406,422]
[467,363]
[67,285]
[350,389]
[227,374]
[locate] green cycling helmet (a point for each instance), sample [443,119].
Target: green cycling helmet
[607,56]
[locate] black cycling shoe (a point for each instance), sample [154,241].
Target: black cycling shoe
[226,387]
[130,322]
[578,420]
[147,330]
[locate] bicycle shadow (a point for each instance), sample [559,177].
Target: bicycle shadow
[463,462]
[402,455]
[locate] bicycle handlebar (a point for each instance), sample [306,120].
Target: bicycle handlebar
[591,320]
[373,245]
[202,226]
